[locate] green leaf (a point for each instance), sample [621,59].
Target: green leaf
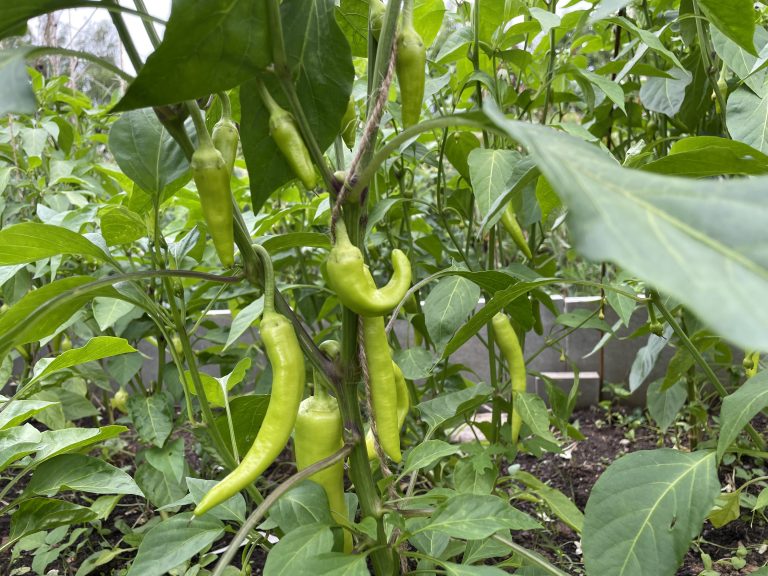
[352,16]
[665,405]
[475,516]
[96,348]
[740,407]
[747,118]
[445,407]
[98,559]
[296,551]
[611,89]
[741,62]
[147,153]
[208,46]
[534,413]
[16,95]
[338,564]
[648,505]
[231,509]
[38,514]
[491,173]
[16,443]
[108,311]
[500,299]
[215,387]
[18,411]
[428,18]
[174,541]
[735,19]
[55,442]
[468,570]
[562,506]
[447,307]
[119,225]
[282,242]
[416,363]
[321,61]
[80,473]
[32,241]
[666,95]
[152,417]
[426,454]
[607,7]
[705,156]
[696,241]
[304,505]
[14,15]
[646,358]
[23,323]
[470,478]
[244,320]
[247,415]
[725,510]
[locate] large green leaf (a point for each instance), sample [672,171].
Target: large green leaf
[95,349]
[17,411]
[700,242]
[16,95]
[31,241]
[208,46]
[146,153]
[706,156]
[23,323]
[447,307]
[55,442]
[296,552]
[16,443]
[740,407]
[14,15]
[477,516]
[80,473]
[152,417]
[747,118]
[39,514]
[321,61]
[644,511]
[740,61]
[174,541]
[734,18]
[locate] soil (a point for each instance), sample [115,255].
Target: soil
[574,472]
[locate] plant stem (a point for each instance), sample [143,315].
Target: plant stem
[550,65]
[124,34]
[203,137]
[148,25]
[699,359]
[706,49]
[226,105]
[269,278]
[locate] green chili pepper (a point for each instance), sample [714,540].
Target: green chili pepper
[285,133]
[403,405]
[287,360]
[349,124]
[409,65]
[509,220]
[506,338]
[383,385]
[318,434]
[209,170]
[350,279]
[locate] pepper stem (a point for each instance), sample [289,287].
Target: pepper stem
[226,105]
[203,137]
[407,14]
[266,97]
[269,278]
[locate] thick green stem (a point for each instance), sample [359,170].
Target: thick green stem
[705,46]
[125,35]
[149,27]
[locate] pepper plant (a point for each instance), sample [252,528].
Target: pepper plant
[469,146]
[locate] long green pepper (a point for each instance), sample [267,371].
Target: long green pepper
[288,378]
